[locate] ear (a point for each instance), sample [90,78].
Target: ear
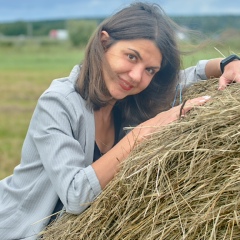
[104,37]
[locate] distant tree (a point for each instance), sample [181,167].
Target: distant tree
[14,29]
[42,28]
[80,31]
[208,24]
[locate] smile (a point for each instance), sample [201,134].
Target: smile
[125,85]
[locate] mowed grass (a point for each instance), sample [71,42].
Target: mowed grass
[26,71]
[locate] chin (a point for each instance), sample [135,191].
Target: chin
[118,96]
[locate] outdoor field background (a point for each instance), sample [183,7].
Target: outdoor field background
[27,70]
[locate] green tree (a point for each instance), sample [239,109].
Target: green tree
[80,31]
[14,29]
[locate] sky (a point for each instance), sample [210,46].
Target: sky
[34,10]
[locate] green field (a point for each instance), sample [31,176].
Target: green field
[26,71]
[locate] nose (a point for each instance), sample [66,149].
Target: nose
[136,73]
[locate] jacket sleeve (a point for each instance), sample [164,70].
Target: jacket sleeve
[193,74]
[60,137]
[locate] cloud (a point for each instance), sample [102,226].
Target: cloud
[12,10]
[196,7]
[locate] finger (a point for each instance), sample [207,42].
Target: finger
[192,103]
[237,78]
[223,82]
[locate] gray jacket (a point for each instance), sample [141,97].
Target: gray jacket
[56,160]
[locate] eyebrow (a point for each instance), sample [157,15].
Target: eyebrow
[139,55]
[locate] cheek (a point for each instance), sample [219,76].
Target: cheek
[119,65]
[145,83]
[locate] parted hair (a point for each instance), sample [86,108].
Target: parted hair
[137,21]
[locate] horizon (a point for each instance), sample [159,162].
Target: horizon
[103,17]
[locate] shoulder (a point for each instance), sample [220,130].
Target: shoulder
[65,85]
[63,96]
[61,105]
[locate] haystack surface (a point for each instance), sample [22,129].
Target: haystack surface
[184,183]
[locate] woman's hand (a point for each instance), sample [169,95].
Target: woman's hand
[152,125]
[231,74]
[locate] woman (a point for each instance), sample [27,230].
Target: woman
[75,142]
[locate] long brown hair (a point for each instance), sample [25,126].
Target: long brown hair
[138,21]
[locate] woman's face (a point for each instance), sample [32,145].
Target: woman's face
[134,63]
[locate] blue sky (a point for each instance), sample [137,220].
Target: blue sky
[14,10]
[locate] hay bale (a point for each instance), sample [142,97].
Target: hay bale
[184,183]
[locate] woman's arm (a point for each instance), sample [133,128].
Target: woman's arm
[207,69]
[65,142]
[212,68]
[193,74]
[108,165]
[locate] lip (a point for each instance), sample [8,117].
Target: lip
[125,85]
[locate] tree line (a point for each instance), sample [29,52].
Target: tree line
[80,30]
[39,28]
[209,24]
[205,24]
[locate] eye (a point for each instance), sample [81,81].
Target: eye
[151,71]
[132,57]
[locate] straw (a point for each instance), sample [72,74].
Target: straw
[184,183]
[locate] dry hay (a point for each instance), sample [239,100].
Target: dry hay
[181,184]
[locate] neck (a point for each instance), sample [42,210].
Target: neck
[104,113]
[104,128]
